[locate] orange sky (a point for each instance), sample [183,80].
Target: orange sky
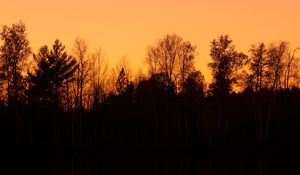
[127,27]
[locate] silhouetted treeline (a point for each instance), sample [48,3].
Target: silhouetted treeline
[71,99]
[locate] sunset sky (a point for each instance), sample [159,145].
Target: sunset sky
[127,27]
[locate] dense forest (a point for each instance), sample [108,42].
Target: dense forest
[75,100]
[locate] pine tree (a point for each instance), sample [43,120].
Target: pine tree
[54,68]
[122,83]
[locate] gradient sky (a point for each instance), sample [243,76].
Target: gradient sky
[127,27]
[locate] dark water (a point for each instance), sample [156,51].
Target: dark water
[148,164]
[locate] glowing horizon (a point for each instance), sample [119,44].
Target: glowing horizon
[128,27]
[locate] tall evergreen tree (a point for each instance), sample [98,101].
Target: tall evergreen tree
[122,82]
[54,68]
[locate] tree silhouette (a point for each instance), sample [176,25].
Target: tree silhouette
[14,50]
[292,66]
[257,79]
[173,57]
[191,102]
[276,57]
[194,86]
[186,62]
[85,65]
[156,86]
[53,69]
[40,89]
[99,77]
[169,108]
[2,87]
[122,82]
[226,64]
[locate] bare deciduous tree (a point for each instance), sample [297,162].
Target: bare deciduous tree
[99,77]
[291,68]
[276,57]
[186,62]
[85,65]
[171,56]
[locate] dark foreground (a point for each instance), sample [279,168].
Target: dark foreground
[112,159]
[241,134]
[147,162]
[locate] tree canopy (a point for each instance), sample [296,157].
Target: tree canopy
[54,67]
[173,57]
[13,52]
[226,65]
